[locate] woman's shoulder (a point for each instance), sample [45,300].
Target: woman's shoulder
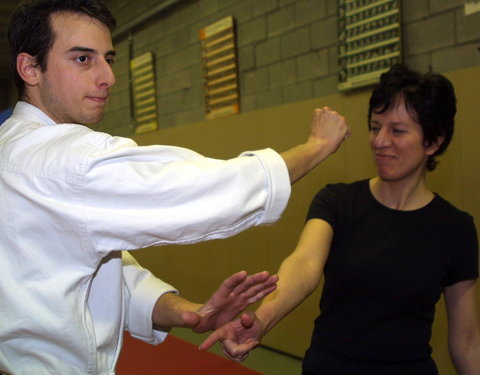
[345,188]
[441,203]
[450,214]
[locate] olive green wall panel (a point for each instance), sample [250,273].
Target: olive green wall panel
[197,269]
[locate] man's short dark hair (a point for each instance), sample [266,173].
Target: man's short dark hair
[429,98]
[29,29]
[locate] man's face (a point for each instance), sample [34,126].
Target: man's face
[75,87]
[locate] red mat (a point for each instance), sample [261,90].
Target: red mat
[174,357]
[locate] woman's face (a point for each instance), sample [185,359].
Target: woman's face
[397,144]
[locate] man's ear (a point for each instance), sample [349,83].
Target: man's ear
[28,69]
[430,150]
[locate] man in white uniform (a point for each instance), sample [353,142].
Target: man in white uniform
[74,200]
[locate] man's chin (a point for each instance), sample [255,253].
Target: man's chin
[92,119]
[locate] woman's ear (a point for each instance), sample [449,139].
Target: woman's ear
[28,68]
[433,147]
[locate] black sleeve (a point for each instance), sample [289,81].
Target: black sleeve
[325,205]
[464,264]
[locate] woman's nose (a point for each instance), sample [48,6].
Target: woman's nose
[382,138]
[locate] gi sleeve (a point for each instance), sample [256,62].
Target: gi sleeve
[142,290]
[138,197]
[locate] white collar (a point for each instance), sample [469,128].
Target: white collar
[29,112]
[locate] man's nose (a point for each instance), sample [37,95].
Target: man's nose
[106,76]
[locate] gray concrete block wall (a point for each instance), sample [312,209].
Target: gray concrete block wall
[286,50]
[437,35]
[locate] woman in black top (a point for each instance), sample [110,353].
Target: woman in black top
[388,248]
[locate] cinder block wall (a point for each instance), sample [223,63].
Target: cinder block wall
[287,50]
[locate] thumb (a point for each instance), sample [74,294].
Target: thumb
[247,319]
[190,319]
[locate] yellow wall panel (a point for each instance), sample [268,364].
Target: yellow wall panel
[197,269]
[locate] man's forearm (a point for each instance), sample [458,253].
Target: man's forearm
[168,311]
[303,158]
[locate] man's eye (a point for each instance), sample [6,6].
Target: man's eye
[82,59]
[111,61]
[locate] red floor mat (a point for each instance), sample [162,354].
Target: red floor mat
[174,357]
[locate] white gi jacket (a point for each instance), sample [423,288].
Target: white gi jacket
[71,199]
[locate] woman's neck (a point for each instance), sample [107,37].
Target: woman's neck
[401,195]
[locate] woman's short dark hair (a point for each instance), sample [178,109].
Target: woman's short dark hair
[429,98]
[29,29]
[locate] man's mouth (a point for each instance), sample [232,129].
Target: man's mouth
[98,99]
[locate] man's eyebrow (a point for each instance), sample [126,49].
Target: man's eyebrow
[82,49]
[90,50]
